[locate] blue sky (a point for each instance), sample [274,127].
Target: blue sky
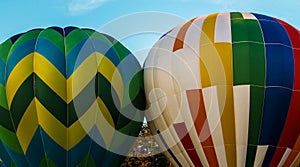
[19,16]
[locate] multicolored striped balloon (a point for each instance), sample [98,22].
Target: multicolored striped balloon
[225,91]
[62,90]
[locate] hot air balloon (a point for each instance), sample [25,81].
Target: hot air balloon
[63,95]
[223,90]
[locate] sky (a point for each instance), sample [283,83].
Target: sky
[136,23]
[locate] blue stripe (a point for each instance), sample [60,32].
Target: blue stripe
[51,52]
[84,49]
[79,152]
[55,152]
[106,50]
[18,54]
[4,156]
[276,106]
[2,69]
[17,158]
[107,158]
[273,31]
[280,74]
[35,152]
[279,66]
[77,55]
[269,155]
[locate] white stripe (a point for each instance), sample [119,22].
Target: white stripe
[223,28]
[260,155]
[294,161]
[285,156]
[241,95]
[210,98]
[249,16]
[190,54]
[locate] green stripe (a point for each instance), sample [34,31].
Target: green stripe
[21,100]
[97,35]
[50,100]
[88,161]
[3,97]
[5,119]
[4,49]
[109,97]
[82,102]
[236,15]
[47,162]
[249,69]
[255,117]
[73,39]
[121,50]
[25,37]
[53,36]
[10,139]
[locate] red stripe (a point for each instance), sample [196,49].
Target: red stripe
[293,154]
[291,129]
[187,143]
[198,112]
[181,35]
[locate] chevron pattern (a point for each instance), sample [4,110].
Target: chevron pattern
[61,88]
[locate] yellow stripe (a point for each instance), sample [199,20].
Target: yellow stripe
[27,126]
[105,123]
[66,137]
[56,130]
[86,71]
[111,73]
[217,58]
[81,127]
[296,162]
[105,112]
[18,75]
[50,75]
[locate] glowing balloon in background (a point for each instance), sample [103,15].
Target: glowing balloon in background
[226,91]
[60,90]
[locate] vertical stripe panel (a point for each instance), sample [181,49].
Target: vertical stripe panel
[210,99]
[198,112]
[186,141]
[241,107]
[291,128]
[294,153]
[279,73]
[284,157]
[249,68]
[222,53]
[260,155]
[223,28]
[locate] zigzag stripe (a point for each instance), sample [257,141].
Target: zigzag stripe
[27,126]
[76,108]
[55,80]
[58,132]
[49,64]
[18,76]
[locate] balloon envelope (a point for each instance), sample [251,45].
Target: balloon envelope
[62,91]
[223,90]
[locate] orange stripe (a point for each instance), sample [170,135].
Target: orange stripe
[197,109]
[181,35]
[293,154]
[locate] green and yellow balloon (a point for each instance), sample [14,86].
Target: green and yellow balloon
[62,88]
